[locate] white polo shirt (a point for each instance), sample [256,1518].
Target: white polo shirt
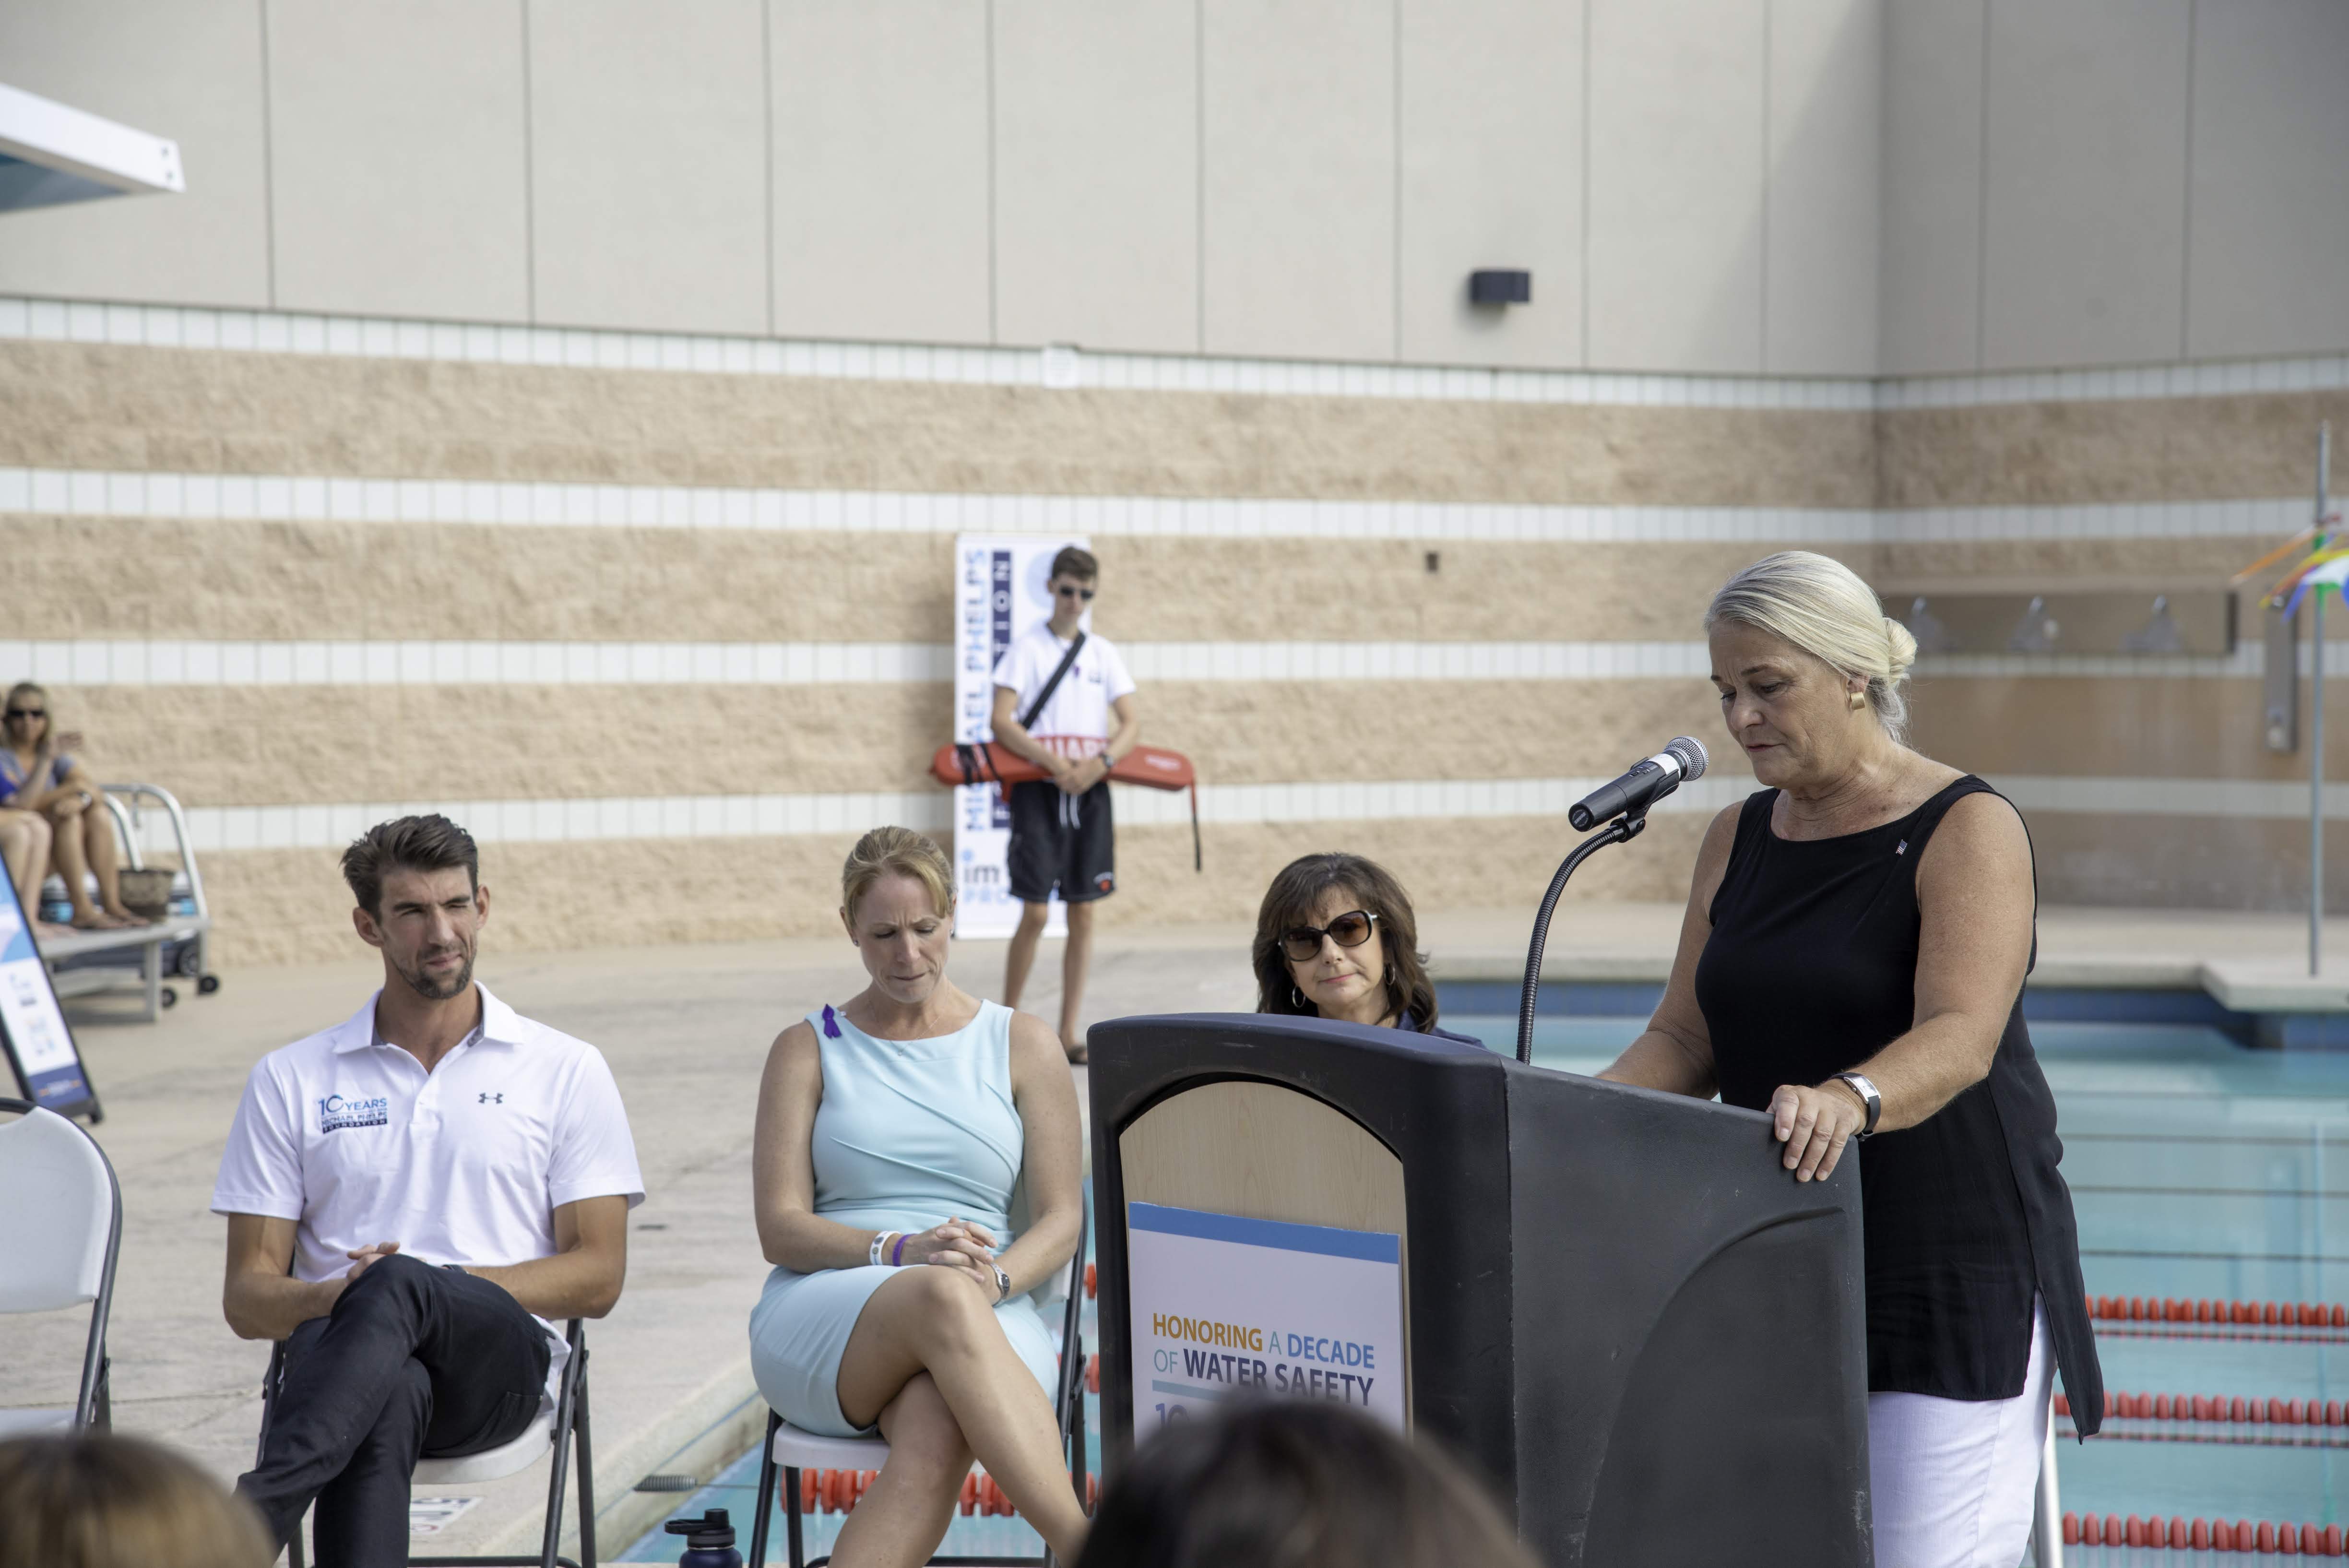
[1076,721]
[348,1134]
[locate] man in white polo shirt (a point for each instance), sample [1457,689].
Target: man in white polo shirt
[1057,689]
[411,1196]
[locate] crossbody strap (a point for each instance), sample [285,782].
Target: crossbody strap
[1036,709]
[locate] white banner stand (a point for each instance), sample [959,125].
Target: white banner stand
[1000,593]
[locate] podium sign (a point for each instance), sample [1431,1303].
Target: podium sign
[40,1048]
[1223,1305]
[1001,594]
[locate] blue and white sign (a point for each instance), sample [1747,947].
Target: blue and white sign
[1223,1305]
[1000,593]
[40,1047]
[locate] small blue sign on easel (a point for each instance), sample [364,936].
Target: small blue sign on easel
[40,1048]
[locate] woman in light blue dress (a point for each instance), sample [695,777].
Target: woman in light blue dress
[891,1132]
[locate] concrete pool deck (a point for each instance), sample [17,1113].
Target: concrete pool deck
[685,1030]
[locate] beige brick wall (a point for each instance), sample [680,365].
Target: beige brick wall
[67,405]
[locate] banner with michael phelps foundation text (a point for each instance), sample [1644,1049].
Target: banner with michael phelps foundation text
[1223,1305]
[1000,593]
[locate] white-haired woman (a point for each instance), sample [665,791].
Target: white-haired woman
[891,1132]
[1852,963]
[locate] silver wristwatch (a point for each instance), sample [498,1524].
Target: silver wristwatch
[1002,1284]
[1866,1092]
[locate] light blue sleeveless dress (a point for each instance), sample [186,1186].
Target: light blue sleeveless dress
[909,1134]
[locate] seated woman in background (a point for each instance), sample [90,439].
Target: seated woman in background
[891,1133]
[1291,1484]
[1335,938]
[39,775]
[24,853]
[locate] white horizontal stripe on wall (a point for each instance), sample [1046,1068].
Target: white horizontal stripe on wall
[2209,379]
[1062,367]
[1058,367]
[510,503]
[169,661]
[216,828]
[274,497]
[213,828]
[2168,797]
[166,661]
[2271,517]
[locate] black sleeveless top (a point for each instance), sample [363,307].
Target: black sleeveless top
[1812,968]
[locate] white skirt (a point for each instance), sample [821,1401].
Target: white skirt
[1954,1480]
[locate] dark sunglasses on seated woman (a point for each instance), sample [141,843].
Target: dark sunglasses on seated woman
[29,712]
[1347,931]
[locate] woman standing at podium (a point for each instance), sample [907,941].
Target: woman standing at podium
[1335,937]
[1852,963]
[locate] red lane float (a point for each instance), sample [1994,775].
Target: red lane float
[2175,1534]
[2181,1414]
[2210,1318]
[838,1491]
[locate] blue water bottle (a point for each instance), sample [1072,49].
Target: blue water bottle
[709,1540]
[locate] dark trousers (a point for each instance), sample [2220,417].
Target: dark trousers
[414,1361]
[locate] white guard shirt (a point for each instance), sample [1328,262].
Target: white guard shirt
[349,1136]
[1076,721]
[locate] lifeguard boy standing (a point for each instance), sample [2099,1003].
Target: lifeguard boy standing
[1055,690]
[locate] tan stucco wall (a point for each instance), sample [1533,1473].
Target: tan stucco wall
[65,405]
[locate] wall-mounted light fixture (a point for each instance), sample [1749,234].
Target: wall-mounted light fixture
[1500,286]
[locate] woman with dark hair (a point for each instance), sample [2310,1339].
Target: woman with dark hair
[1294,1484]
[1336,938]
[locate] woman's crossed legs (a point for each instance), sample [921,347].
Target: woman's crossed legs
[929,1359]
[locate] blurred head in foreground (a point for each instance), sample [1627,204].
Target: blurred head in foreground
[97,1500]
[1295,1484]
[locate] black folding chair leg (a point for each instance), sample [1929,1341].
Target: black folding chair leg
[792,1519]
[765,1502]
[587,1451]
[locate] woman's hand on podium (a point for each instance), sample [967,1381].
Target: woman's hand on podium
[1814,1125]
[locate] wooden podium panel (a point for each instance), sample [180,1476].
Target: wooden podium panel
[1262,1151]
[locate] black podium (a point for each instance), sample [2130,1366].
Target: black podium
[1614,1303]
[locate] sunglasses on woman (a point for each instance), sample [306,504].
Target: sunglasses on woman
[29,712]
[1302,943]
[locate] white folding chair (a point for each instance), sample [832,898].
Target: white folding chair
[61,1231]
[791,1450]
[561,1428]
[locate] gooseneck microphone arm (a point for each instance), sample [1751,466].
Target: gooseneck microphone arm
[1628,800]
[1623,830]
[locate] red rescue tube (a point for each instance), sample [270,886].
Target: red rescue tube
[1151,767]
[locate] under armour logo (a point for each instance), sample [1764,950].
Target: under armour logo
[493,1099]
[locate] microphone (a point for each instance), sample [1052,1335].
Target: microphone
[1645,783]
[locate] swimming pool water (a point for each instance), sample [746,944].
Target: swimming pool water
[2197,1168]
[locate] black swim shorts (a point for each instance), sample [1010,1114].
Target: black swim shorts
[1061,841]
